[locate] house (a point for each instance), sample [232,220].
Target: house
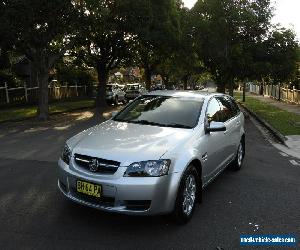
[132,74]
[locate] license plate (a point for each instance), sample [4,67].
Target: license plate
[88,188]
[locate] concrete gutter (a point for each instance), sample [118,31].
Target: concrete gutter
[279,136]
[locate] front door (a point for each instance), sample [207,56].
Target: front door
[214,142]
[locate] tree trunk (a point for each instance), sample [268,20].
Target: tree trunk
[261,89]
[101,88]
[42,76]
[221,87]
[231,86]
[165,80]
[244,91]
[185,82]
[148,78]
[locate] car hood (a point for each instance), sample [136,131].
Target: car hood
[127,142]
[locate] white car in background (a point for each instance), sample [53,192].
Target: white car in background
[115,93]
[134,90]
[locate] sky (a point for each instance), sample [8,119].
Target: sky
[287,12]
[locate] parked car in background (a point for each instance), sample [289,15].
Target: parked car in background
[115,93]
[134,90]
[156,155]
[158,87]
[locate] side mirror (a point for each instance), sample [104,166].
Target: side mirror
[216,127]
[113,114]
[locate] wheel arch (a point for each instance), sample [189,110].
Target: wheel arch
[198,165]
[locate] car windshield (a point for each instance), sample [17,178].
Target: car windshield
[163,111]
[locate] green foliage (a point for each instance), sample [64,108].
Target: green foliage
[230,39]
[105,40]
[41,30]
[224,32]
[282,50]
[73,74]
[157,33]
[282,120]
[34,27]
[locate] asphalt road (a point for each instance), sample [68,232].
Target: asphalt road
[262,198]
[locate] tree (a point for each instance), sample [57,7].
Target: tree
[42,30]
[105,39]
[157,32]
[223,31]
[187,61]
[282,49]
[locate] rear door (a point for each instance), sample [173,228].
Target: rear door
[228,116]
[238,122]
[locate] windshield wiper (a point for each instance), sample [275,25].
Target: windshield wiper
[145,122]
[177,125]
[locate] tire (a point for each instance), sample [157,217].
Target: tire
[116,101]
[188,194]
[238,160]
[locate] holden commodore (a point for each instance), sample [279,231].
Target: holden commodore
[156,155]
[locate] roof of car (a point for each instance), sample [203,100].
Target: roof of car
[183,93]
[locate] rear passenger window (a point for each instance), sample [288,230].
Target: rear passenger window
[235,107]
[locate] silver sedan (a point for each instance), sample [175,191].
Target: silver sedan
[156,155]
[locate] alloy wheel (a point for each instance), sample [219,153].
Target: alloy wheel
[189,194]
[240,155]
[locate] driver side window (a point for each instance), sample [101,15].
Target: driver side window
[213,111]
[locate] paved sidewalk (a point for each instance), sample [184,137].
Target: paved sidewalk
[293,108]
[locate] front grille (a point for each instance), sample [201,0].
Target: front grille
[103,166]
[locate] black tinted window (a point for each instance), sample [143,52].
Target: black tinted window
[213,111]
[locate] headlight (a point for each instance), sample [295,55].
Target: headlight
[66,154]
[148,168]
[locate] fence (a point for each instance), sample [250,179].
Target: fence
[30,95]
[284,94]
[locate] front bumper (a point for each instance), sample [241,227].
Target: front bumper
[128,195]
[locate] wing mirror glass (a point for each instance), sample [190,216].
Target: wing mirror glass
[216,127]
